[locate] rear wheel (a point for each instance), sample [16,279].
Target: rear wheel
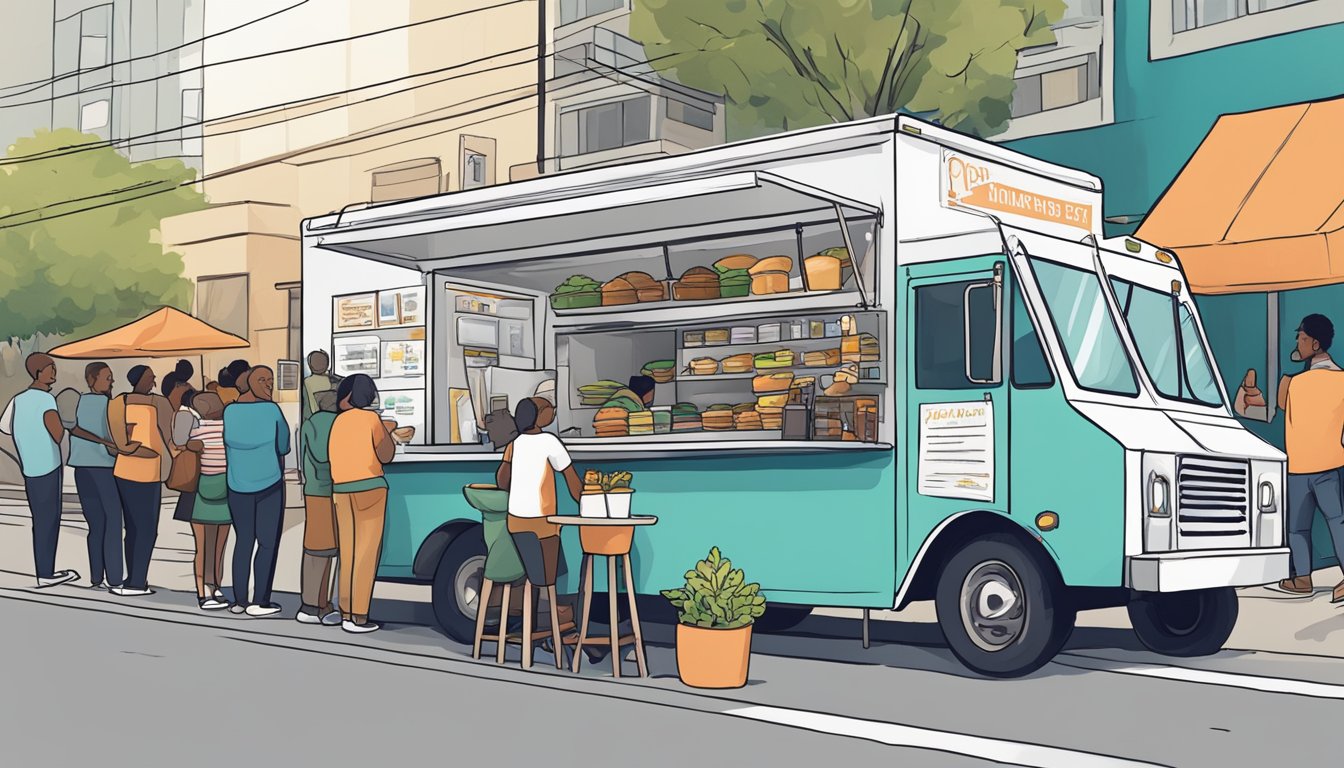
[1192,623]
[781,618]
[457,586]
[1002,607]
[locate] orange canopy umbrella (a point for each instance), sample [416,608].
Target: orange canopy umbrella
[166,332]
[1260,205]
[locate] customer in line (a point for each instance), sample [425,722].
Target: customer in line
[320,545]
[36,426]
[527,472]
[320,379]
[210,517]
[1313,404]
[256,438]
[177,388]
[93,456]
[228,390]
[141,425]
[359,446]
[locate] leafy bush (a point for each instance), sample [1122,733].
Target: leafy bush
[716,595]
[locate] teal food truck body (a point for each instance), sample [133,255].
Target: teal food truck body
[893,364]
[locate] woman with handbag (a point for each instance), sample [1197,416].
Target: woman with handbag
[178,390]
[210,518]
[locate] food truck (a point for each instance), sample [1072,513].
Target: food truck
[893,363]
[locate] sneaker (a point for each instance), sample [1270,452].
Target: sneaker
[306,616]
[131,591]
[1338,595]
[58,578]
[218,593]
[359,629]
[211,604]
[237,609]
[267,609]
[1299,586]
[97,586]
[332,619]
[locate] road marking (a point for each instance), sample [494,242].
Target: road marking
[1208,677]
[998,750]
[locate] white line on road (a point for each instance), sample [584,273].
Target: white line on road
[1208,677]
[998,750]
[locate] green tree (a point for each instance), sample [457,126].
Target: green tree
[784,64]
[79,238]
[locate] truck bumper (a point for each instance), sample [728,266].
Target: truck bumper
[1180,571]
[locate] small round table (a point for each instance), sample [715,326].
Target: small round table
[609,537]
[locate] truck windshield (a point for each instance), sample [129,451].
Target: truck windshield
[1085,328]
[1168,343]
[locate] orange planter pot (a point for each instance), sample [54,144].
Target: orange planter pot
[713,658]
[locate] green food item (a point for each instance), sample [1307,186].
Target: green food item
[721,407]
[624,402]
[662,417]
[685,409]
[577,283]
[658,365]
[577,292]
[606,385]
[840,253]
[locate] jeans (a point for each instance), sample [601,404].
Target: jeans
[258,519]
[102,510]
[1306,494]
[140,505]
[44,500]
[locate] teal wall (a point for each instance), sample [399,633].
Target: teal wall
[1163,109]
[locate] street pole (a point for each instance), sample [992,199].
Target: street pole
[541,86]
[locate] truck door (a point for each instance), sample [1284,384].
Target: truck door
[957,404]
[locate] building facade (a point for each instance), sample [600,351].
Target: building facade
[125,70]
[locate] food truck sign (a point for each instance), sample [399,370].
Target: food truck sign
[970,182]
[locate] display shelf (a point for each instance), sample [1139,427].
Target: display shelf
[709,350]
[686,312]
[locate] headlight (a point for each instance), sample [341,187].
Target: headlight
[1159,496]
[1266,496]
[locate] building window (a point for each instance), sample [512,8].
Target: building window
[1179,27]
[574,10]
[606,126]
[222,302]
[93,116]
[402,181]
[95,49]
[295,332]
[682,112]
[1066,86]
[92,51]
[191,116]
[1056,88]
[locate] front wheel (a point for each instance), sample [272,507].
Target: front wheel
[1192,623]
[1002,607]
[457,586]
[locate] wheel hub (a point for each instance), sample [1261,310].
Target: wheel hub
[467,585]
[993,610]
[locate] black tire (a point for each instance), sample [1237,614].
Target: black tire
[1193,623]
[457,580]
[1035,623]
[781,618]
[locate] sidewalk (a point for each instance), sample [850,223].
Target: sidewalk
[1269,621]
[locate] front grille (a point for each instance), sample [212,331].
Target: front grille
[1213,503]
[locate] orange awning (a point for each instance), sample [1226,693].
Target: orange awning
[167,332]
[1260,205]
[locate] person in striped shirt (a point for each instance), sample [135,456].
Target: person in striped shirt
[210,518]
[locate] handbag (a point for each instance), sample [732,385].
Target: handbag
[185,473]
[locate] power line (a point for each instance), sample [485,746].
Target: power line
[40,84]
[281,52]
[307,150]
[133,141]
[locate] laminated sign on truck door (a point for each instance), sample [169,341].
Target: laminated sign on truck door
[977,184]
[956,450]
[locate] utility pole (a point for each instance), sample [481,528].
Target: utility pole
[541,86]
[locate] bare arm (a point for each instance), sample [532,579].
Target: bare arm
[1283,392]
[574,482]
[84,434]
[504,475]
[52,421]
[384,447]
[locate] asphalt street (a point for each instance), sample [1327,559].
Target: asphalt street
[91,679]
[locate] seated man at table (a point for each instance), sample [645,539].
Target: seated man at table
[527,472]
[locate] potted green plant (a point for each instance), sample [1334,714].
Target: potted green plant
[715,611]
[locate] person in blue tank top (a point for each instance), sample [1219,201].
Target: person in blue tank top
[91,447]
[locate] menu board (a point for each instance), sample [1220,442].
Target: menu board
[357,354]
[403,358]
[407,408]
[956,450]
[412,303]
[356,312]
[389,308]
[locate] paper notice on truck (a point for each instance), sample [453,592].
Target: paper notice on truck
[956,450]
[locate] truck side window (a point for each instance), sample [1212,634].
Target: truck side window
[941,313]
[1030,370]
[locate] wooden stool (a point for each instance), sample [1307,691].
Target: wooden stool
[610,538]
[502,638]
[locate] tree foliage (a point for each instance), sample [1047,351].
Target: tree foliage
[784,64]
[74,257]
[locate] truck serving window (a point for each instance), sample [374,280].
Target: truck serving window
[943,331]
[1168,343]
[1085,328]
